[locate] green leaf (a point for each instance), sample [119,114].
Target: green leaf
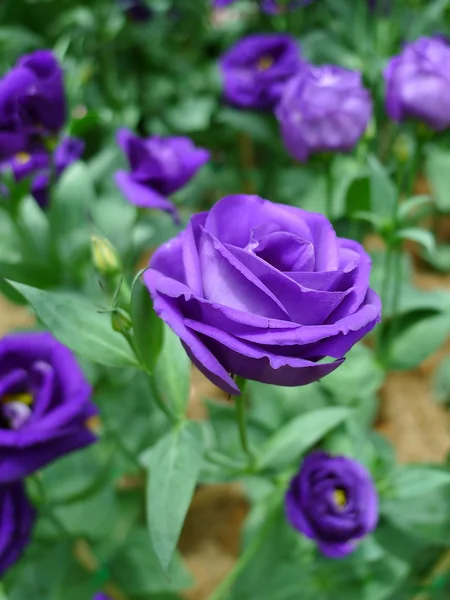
[421,236]
[382,190]
[257,126]
[437,169]
[418,341]
[77,324]
[147,326]
[299,435]
[415,480]
[137,569]
[410,207]
[441,382]
[173,466]
[173,372]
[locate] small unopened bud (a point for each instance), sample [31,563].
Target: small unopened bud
[402,148]
[121,321]
[105,257]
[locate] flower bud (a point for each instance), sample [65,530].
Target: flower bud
[105,257]
[121,321]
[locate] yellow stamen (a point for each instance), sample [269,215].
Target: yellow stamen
[94,424]
[264,63]
[340,497]
[24,398]
[23,158]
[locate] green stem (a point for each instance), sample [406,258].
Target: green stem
[221,593]
[242,425]
[397,273]
[384,299]
[160,402]
[329,191]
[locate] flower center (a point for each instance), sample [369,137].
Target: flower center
[340,497]
[16,409]
[265,62]
[22,158]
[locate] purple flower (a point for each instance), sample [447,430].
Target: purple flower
[45,403]
[264,291]
[137,10]
[101,596]
[418,83]
[324,109]
[42,105]
[256,69]
[159,167]
[38,163]
[274,7]
[32,102]
[222,3]
[333,501]
[16,523]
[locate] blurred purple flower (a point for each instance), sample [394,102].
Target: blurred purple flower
[38,163]
[137,10]
[17,518]
[45,404]
[159,167]
[324,109]
[222,3]
[263,290]
[333,501]
[32,102]
[418,83]
[256,69]
[101,596]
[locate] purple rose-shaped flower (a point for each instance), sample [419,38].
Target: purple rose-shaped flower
[256,69]
[418,83]
[45,403]
[158,167]
[37,162]
[32,102]
[333,501]
[17,518]
[264,291]
[43,104]
[324,109]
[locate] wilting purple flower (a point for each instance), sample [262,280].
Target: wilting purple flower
[45,403]
[32,102]
[159,167]
[264,291]
[17,518]
[333,501]
[137,10]
[324,109]
[256,69]
[274,7]
[418,83]
[38,163]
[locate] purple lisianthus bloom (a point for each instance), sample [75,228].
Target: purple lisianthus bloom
[37,162]
[264,291]
[42,105]
[418,83]
[222,3]
[256,69]
[45,404]
[17,518]
[137,10]
[333,501]
[32,102]
[324,109]
[101,596]
[158,167]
